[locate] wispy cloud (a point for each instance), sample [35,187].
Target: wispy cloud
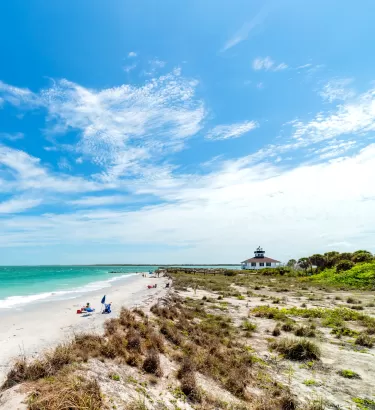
[267,64]
[92,201]
[18,204]
[224,132]
[337,89]
[130,67]
[334,149]
[308,65]
[64,164]
[197,210]
[244,32]
[354,117]
[132,54]
[23,172]
[124,129]
[12,136]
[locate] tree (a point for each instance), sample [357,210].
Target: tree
[319,261]
[304,263]
[331,258]
[344,265]
[291,263]
[362,256]
[345,256]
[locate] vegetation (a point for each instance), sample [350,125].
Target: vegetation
[365,340]
[66,391]
[297,349]
[349,374]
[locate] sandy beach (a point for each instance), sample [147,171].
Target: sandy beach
[35,327]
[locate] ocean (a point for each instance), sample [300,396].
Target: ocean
[21,285]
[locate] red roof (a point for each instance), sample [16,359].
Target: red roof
[265,259]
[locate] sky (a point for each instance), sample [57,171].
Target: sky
[185,132]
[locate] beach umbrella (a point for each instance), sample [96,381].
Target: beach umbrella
[103,301]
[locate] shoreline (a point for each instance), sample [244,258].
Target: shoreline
[35,327]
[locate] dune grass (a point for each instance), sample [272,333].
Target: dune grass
[296,349]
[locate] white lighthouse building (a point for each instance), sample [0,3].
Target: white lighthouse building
[260,261]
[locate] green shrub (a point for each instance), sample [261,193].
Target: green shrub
[248,326]
[344,266]
[309,382]
[304,331]
[349,374]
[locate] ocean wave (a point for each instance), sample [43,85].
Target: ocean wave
[17,301]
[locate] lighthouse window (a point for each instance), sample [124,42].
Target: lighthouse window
[268,264]
[261,264]
[253,264]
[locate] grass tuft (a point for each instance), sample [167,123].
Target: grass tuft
[349,374]
[297,349]
[66,392]
[364,340]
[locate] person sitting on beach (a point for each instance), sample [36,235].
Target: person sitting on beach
[87,308]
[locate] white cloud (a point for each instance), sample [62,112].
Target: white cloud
[263,63]
[267,64]
[130,67]
[277,206]
[304,66]
[17,96]
[12,136]
[123,127]
[132,54]
[23,172]
[79,160]
[334,148]
[281,66]
[337,89]
[354,117]
[128,130]
[224,132]
[18,204]
[244,32]
[92,201]
[64,164]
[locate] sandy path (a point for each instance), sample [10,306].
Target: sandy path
[38,326]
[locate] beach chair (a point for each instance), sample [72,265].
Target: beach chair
[107,308]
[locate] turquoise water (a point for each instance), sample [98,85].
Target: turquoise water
[20,285]
[25,284]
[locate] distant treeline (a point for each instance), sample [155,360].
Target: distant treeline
[340,261]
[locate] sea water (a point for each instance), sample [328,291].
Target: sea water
[21,285]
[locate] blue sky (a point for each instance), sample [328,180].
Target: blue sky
[189,131]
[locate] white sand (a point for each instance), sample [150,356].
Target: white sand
[36,327]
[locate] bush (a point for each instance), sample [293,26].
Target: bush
[288,326]
[276,331]
[304,331]
[364,340]
[190,388]
[66,392]
[151,363]
[349,374]
[248,326]
[344,266]
[297,349]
